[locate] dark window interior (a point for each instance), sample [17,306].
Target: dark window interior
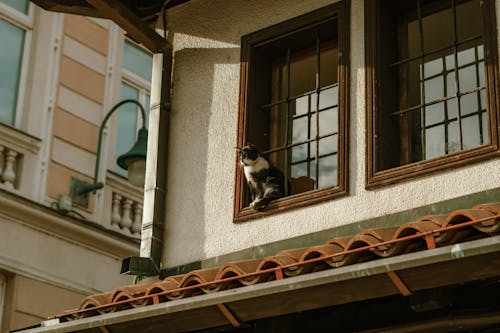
[432,90]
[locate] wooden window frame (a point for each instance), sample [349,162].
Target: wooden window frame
[341,10]
[374,178]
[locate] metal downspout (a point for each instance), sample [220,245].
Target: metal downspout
[153,216]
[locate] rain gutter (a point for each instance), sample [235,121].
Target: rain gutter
[449,253]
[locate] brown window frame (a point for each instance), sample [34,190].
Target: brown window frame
[397,174]
[273,33]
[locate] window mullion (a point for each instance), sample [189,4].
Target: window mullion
[478,95]
[318,49]
[457,79]
[422,86]
[446,118]
[287,124]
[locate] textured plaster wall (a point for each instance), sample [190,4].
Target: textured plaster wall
[206,38]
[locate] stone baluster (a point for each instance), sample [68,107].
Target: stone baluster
[116,216]
[9,174]
[136,226]
[126,221]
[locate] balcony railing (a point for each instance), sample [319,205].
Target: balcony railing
[122,206]
[19,161]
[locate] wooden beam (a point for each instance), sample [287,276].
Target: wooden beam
[229,315]
[131,23]
[78,7]
[398,283]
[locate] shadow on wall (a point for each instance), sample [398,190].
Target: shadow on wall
[192,112]
[227,21]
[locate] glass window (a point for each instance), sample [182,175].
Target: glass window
[13,31]
[431,83]
[20,5]
[295,112]
[137,61]
[10,69]
[136,76]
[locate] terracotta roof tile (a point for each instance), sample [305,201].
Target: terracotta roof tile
[425,233]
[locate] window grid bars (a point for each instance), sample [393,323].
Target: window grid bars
[288,65]
[422,66]
[457,80]
[432,52]
[436,101]
[446,120]
[318,78]
[308,93]
[318,89]
[457,95]
[478,95]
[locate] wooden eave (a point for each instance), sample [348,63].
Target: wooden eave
[137,18]
[449,265]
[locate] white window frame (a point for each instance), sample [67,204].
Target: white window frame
[25,22]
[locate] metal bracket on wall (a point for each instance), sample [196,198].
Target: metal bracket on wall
[79,191]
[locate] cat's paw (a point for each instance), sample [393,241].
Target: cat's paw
[259,205]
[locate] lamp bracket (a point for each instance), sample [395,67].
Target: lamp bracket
[79,191]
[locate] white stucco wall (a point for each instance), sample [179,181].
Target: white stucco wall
[203,136]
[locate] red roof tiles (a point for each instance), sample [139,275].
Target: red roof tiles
[425,233]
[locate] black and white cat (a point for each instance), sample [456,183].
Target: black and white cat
[266,182]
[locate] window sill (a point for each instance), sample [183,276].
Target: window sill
[290,202]
[423,168]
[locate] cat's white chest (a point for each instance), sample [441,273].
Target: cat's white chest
[260,164]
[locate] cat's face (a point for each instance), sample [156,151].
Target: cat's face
[248,155]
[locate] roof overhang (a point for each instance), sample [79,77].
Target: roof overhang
[137,18]
[403,274]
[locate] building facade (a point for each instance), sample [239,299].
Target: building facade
[60,74]
[383,117]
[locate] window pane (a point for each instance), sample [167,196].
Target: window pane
[127,124]
[434,114]
[467,77]
[434,142]
[299,153]
[470,132]
[20,5]
[486,137]
[469,19]
[328,145]
[327,171]
[437,29]
[328,121]
[328,98]
[434,89]
[468,104]
[300,129]
[137,61]
[302,74]
[10,69]
[453,139]
[328,66]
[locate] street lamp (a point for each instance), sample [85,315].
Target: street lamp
[134,160]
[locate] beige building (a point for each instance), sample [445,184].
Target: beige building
[59,75]
[383,117]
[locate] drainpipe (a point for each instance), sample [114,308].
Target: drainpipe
[153,216]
